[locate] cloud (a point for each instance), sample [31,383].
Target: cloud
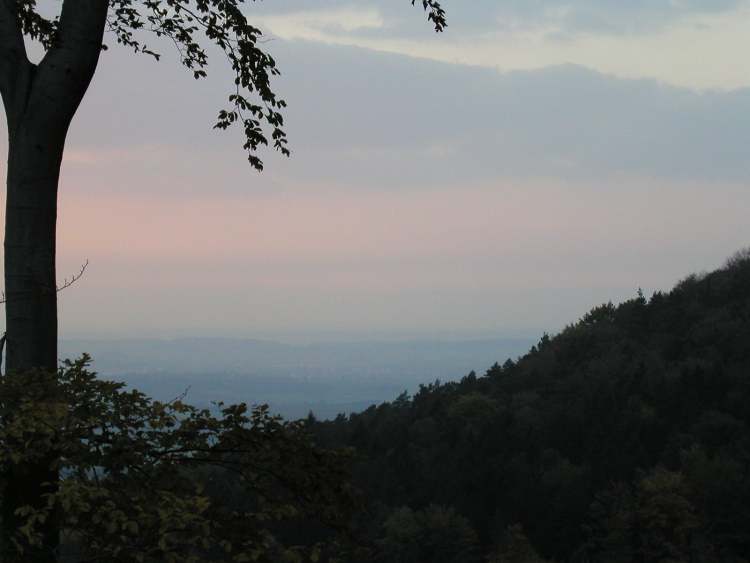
[320,24]
[392,122]
[611,16]
[681,42]
[608,16]
[363,120]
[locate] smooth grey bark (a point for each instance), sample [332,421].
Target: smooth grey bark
[40,101]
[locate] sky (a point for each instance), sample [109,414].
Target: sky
[499,179]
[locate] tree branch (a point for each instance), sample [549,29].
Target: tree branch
[12,47]
[435,13]
[74,278]
[66,70]
[13,59]
[81,26]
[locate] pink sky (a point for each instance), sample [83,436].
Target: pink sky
[184,239]
[479,260]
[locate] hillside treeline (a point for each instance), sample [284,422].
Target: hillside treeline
[625,438]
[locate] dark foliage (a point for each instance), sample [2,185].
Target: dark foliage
[146,481]
[623,438]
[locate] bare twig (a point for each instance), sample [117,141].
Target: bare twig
[180,397]
[66,282]
[74,278]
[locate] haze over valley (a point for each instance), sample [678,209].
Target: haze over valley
[328,378]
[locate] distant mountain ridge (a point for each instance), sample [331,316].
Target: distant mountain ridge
[327,378]
[252,356]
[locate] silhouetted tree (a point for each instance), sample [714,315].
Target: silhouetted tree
[40,101]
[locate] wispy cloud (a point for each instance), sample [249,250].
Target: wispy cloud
[699,45]
[322,25]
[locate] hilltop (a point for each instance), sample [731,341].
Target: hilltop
[625,437]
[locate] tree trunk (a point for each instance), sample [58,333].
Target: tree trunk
[31,311]
[40,101]
[30,225]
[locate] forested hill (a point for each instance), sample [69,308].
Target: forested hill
[623,438]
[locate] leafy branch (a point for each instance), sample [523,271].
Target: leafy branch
[252,104]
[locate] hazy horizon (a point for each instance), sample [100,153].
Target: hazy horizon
[293,378]
[310,337]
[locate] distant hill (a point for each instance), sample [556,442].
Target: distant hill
[624,438]
[327,378]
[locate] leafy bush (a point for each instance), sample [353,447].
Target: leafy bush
[134,474]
